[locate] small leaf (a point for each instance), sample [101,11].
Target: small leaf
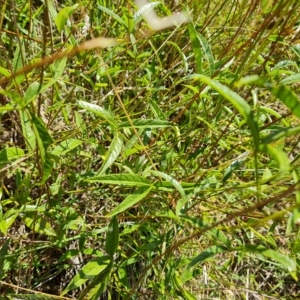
[87,272]
[142,123]
[121,179]
[37,223]
[112,14]
[58,69]
[295,78]
[31,93]
[63,17]
[178,186]
[112,238]
[207,53]
[28,132]
[10,154]
[66,146]
[200,224]
[112,154]
[237,101]
[98,110]
[130,200]
[284,260]
[3,252]
[98,284]
[280,133]
[208,253]
[196,47]
[288,98]
[44,140]
[41,131]
[47,168]
[279,155]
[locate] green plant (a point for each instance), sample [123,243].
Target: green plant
[138,164]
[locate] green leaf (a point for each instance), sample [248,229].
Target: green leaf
[28,132]
[200,224]
[87,272]
[10,154]
[144,123]
[98,110]
[205,255]
[290,79]
[41,132]
[237,101]
[196,47]
[112,14]
[112,153]
[279,155]
[3,252]
[280,133]
[66,146]
[183,57]
[47,168]
[58,68]
[4,72]
[112,238]
[63,16]
[7,220]
[131,200]
[285,261]
[177,185]
[207,53]
[43,138]
[38,223]
[31,93]
[121,179]
[288,98]
[98,284]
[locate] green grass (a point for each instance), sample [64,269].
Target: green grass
[149,164]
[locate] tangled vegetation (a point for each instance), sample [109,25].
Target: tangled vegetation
[149,164]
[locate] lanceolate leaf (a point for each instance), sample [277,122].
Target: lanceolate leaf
[121,179]
[112,14]
[284,260]
[207,53]
[87,272]
[280,133]
[96,287]
[112,238]
[28,132]
[279,155]
[206,254]
[200,224]
[98,110]
[3,252]
[41,131]
[63,16]
[287,97]
[44,140]
[66,146]
[38,223]
[178,186]
[131,200]
[10,154]
[196,47]
[142,123]
[112,153]
[238,102]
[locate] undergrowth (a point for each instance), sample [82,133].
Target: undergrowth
[142,164]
